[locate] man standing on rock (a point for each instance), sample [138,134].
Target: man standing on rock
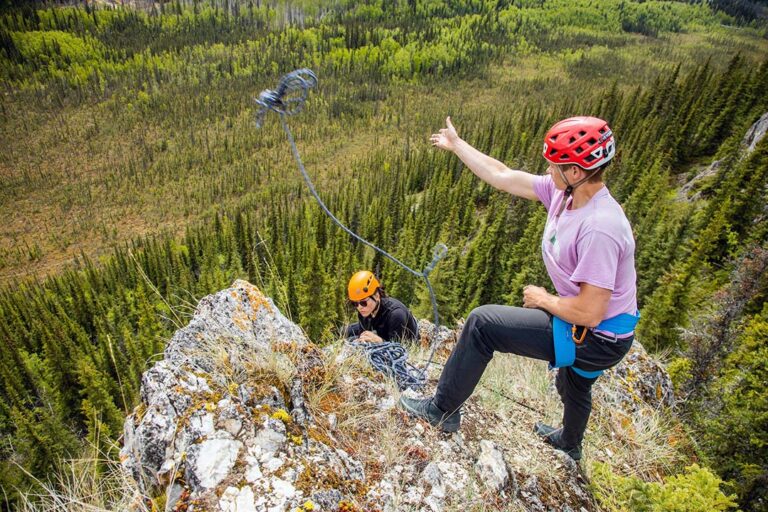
[588,250]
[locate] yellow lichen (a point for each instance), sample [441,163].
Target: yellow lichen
[282,415]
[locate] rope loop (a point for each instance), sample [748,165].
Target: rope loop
[289,97]
[391,359]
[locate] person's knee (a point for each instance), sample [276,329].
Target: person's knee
[479,316]
[476,320]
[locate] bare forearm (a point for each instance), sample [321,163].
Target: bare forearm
[572,310]
[495,173]
[587,308]
[488,169]
[485,167]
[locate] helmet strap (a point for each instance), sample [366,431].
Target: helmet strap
[568,188]
[378,303]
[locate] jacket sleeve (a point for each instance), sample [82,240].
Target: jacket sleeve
[354,330]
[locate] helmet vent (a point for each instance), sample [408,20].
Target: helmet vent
[571,140]
[589,158]
[564,156]
[578,151]
[552,152]
[591,141]
[601,130]
[582,133]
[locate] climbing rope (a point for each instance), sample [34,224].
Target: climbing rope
[288,100]
[391,358]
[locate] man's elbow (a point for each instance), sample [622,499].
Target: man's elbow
[593,318]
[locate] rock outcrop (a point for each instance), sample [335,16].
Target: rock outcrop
[246,414]
[692,190]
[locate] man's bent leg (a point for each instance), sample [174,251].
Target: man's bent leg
[522,331]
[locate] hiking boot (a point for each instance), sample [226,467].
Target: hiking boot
[426,409]
[553,436]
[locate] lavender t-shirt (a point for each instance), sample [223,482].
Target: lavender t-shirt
[592,244]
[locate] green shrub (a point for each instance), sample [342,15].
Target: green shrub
[693,491]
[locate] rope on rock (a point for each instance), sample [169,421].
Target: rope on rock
[391,358]
[288,100]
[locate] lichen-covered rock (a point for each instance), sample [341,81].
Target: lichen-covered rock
[639,379]
[490,466]
[443,337]
[240,315]
[231,445]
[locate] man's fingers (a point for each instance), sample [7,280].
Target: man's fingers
[448,122]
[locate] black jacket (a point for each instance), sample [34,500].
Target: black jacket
[393,322]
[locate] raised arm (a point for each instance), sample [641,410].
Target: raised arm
[488,169]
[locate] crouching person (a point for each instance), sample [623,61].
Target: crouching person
[380,318]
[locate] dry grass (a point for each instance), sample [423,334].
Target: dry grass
[87,485]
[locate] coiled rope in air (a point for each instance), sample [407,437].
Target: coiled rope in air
[390,358]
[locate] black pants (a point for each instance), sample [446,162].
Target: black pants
[526,332]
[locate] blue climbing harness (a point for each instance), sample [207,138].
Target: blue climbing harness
[563,334]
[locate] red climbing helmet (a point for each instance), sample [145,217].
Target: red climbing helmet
[585,141]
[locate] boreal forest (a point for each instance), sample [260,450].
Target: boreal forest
[133,181]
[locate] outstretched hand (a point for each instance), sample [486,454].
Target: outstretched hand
[447,138]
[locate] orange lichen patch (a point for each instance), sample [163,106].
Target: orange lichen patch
[241,319]
[417,453]
[347,506]
[331,402]
[320,436]
[257,299]
[374,470]
[182,505]
[290,348]
[313,378]
[314,478]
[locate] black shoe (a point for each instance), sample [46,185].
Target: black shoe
[426,409]
[553,436]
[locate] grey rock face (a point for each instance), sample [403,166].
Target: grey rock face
[490,466]
[230,442]
[756,133]
[690,190]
